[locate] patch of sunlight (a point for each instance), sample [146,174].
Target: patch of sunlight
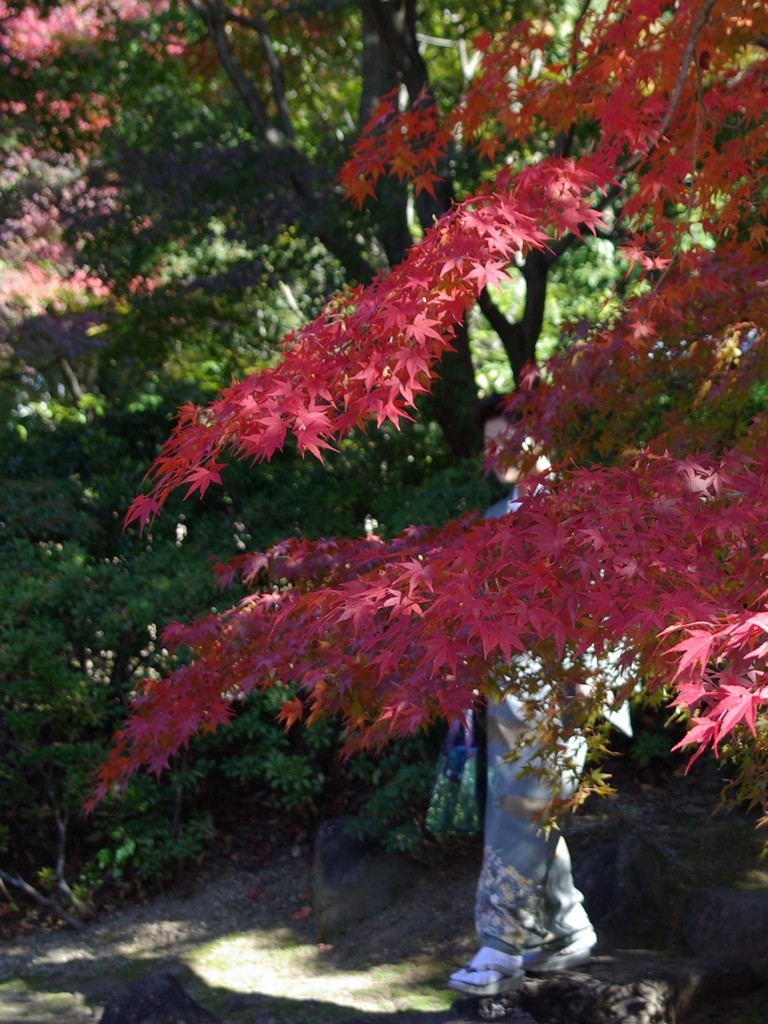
[755,878]
[21,1005]
[13,986]
[275,964]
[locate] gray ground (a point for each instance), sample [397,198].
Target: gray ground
[241,939]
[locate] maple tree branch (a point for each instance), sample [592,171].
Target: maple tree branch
[535,272]
[392,24]
[564,142]
[379,74]
[611,194]
[677,92]
[519,338]
[70,378]
[685,64]
[395,22]
[510,334]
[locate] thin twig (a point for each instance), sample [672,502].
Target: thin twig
[613,191]
[28,890]
[677,92]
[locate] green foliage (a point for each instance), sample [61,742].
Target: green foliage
[398,479]
[78,626]
[256,754]
[655,733]
[200,257]
[84,605]
[397,787]
[141,838]
[649,747]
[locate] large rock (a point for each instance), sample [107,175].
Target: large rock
[354,879]
[623,988]
[158,999]
[715,920]
[622,882]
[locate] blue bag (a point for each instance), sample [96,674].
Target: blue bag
[454,808]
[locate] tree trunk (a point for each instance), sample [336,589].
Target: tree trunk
[379,77]
[392,54]
[519,339]
[319,206]
[454,397]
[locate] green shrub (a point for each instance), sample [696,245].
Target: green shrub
[84,606]
[397,787]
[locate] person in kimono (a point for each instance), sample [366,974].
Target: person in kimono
[529,915]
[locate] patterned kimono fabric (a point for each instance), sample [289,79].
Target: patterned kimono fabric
[526,896]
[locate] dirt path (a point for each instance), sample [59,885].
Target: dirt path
[241,941]
[240,937]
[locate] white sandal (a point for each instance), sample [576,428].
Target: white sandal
[489,973]
[562,954]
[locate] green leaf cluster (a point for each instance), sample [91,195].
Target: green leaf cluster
[84,607]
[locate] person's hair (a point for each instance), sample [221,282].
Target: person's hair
[492,406]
